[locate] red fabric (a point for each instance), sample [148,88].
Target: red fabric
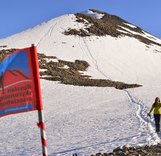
[20,82]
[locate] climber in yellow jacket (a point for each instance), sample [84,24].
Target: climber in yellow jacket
[157,113]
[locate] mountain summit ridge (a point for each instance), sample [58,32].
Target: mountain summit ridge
[111,46]
[107,25]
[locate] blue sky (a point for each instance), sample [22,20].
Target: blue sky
[19,15]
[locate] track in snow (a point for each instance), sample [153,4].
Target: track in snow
[49,32]
[147,134]
[82,44]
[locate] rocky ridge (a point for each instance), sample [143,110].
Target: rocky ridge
[153,150]
[71,73]
[108,25]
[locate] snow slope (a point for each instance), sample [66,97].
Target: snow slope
[87,120]
[108,57]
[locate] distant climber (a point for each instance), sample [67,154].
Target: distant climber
[156,108]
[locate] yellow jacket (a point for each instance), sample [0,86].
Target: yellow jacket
[156,107]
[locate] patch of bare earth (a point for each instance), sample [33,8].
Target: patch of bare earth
[107,25]
[153,150]
[71,73]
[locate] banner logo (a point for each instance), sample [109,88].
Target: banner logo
[17,91]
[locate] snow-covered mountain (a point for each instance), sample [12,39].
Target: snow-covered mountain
[117,46]
[86,120]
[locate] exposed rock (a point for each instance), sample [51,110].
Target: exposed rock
[153,150]
[66,72]
[4,53]
[107,25]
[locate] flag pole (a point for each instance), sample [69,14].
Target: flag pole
[41,123]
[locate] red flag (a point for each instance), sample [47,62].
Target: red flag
[20,83]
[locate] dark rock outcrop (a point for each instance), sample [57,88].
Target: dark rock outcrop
[107,25]
[66,72]
[153,150]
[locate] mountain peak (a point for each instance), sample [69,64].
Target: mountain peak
[106,42]
[94,13]
[98,23]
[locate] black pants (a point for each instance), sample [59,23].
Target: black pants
[157,122]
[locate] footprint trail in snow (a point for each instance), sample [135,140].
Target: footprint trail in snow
[147,132]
